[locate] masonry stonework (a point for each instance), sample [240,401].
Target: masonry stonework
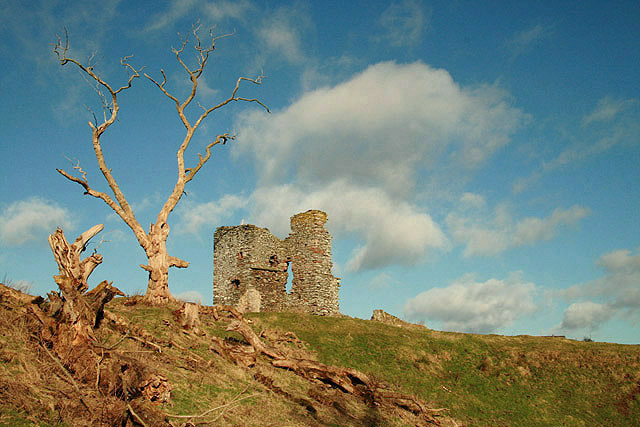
[251,267]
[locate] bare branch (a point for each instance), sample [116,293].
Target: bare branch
[191,172]
[78,168]
[91,192]
[133,73]
[161,87]
[61,51]
[153,242]
[233,97]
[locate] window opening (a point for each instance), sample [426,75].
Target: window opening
[289,277]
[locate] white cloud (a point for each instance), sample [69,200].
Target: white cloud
[193,216]
[402,23]
[617,293]
[620,285]
[620,261]
[391,231]
[585,315]
[356,149]
[530,230]
[379,128]
[486,233]
[32,219]
[470,306]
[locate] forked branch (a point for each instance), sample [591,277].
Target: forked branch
[191,172]
[195,74]
[110,105]
[90,191]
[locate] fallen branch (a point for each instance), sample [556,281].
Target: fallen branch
[135,416]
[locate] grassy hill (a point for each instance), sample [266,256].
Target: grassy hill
[467,379]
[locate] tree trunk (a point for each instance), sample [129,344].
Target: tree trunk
[159,263]
[158,287]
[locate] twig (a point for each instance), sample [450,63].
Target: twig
[135,416]
[205,413]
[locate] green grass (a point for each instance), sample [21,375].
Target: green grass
[484,379]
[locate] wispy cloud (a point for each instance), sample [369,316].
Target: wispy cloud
[281,34]
[167,18]
[523,41]
[470,306]
[402,23]
[230,9]
[382,281]
[607,109]
[612,122]
[486,233]
[32,219]
[193,216]
[212,12]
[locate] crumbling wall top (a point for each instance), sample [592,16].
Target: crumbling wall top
[311,217]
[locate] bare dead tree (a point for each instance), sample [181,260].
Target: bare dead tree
[154,241]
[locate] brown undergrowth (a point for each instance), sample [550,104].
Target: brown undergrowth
[149,366]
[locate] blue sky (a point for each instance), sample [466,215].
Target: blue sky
[478,163]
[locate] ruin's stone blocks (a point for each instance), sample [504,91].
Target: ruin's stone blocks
[251,267]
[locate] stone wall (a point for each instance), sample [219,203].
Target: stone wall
[251,267]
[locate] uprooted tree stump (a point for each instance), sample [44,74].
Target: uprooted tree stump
[69,321]
[79,313]
[68,257]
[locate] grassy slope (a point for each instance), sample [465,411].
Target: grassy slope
[483,380]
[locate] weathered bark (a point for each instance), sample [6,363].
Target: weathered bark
[154,242]
[68,259]
[78,313]
[159,263]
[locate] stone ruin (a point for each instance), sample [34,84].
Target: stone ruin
[251,267]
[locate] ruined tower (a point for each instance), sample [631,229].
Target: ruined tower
[251,267]
[309,246]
